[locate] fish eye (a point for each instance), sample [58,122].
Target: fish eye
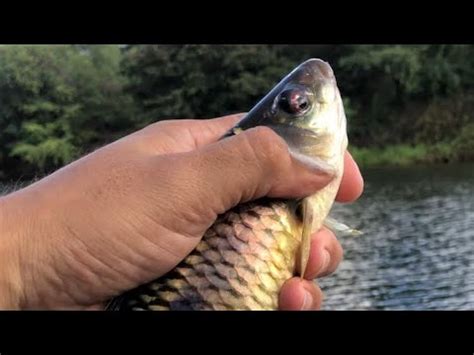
[294,101]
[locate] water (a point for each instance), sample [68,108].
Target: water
[418,249]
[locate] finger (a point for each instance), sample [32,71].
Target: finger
[210,130]
[325,254]
[251,165]
[299,294]
[95,307]
[192,134]
[352,183]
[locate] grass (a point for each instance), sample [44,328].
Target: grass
[459,148]
[401,155]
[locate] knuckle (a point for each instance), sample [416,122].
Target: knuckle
[167,125]
[159,125]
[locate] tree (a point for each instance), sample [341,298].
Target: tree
[201,81]
[57,102]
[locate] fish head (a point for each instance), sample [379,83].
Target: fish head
[305,108]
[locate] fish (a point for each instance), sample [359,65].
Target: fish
[248,253]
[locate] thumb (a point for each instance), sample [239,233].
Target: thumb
[251,165]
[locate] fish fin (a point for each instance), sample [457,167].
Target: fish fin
[307,222]
[115,303]
[340,229]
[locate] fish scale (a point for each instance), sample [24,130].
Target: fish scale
[219,275]
[245,257]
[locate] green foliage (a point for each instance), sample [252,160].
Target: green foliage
[46,145]
[404,103]
[390,155]
[201,81]
[401,63]
[443,118]
[58,101]
[463,145]
[380,79]
[441,153]
[391,83]
[461,148]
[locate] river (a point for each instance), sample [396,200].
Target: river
[417,252]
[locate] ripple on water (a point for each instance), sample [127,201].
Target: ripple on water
[417,251]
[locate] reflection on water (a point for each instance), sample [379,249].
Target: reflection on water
[418,248]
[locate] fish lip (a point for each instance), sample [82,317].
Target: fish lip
[319,66]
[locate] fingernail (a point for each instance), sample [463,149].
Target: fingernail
[307,300]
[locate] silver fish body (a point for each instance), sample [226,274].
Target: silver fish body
[250,251]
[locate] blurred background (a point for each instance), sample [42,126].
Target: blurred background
[410,121]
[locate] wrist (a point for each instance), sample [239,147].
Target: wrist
[10,280]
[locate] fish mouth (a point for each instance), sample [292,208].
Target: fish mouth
[319,68]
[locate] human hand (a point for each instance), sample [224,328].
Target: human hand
[131,211]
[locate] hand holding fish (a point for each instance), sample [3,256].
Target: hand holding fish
[131,211]
[191,214]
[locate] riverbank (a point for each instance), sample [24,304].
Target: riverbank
[459,149]
[400,155]
[406,155]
